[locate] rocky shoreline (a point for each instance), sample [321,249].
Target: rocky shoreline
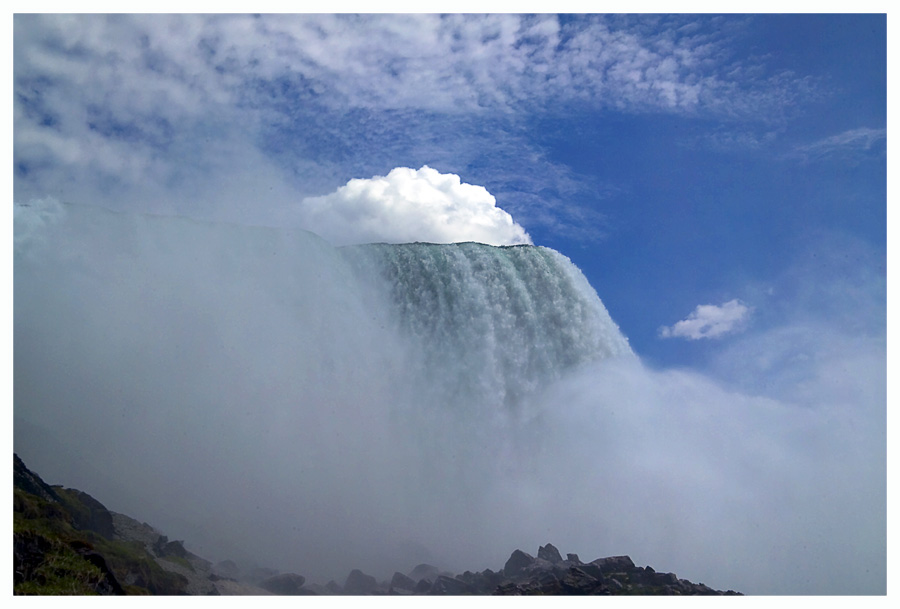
[67,542]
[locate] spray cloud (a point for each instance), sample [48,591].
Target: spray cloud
[263,394]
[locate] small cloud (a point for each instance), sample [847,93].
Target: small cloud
[410,205]
[849,143]
[709,321]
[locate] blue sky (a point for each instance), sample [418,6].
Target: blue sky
[679,160]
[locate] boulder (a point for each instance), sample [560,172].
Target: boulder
[668,579]
[549,553]
[615,564]
[578,582]
[165,548]
[517,561]
[424,586]
[484,582]
[359,583]
[286,584]
[424,571]
[450,586]
[545,583]
[402,582]
[592,570]
[88,513]
[573,558]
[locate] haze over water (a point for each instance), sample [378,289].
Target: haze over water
[265,395]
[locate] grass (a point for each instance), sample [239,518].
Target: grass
[61,570]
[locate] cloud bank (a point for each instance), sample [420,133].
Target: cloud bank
[167,110]
[409,205]
[709,321]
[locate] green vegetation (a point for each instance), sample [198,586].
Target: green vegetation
[49,543]
[61,570]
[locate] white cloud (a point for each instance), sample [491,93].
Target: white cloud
[848,143]
[410,205]
[709,321]
[111,109]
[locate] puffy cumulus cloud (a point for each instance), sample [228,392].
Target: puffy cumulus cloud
[709,321]
[410,205]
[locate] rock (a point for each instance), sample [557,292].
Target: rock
[424,586]
[332,587]
[163,547]
[359,583]
[484,582]
[592,570]
[615,564]
[549,553]
[545,583]
[668,579]
[424,571]
[108,585]
[578,582]
[87,513]
[30,482]
[615,584]
[447,586]
[573,558]
[402,582]
[517,561]
[286,584]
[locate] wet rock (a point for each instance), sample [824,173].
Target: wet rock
[449,586]
[549,553]
[359,583]
[577,581]
[287,584]
[424,586]
[592,570]
[402,582]
[517,561]
[615,564]
[423,571]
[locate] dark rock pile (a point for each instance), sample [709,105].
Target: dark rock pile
[523,574]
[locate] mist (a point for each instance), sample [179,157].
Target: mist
[266,396]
